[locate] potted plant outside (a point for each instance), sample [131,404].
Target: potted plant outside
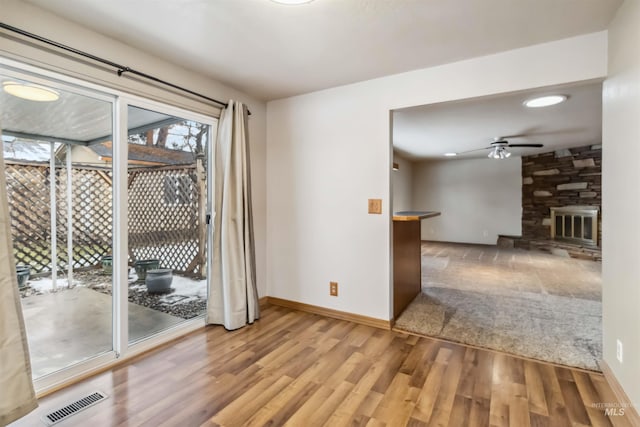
[107,264]
[159,280]
[144,265]
[23,272]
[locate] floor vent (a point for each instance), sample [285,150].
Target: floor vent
[61,414]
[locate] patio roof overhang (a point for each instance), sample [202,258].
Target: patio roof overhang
[72,119]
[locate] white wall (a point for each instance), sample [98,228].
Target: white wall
[329,152]
[478,199]
[620,174]
[43,23]
[402,181]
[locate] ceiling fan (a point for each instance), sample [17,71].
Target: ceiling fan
[499,148]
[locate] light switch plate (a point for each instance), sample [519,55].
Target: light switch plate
[375,206]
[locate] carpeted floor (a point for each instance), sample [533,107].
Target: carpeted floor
[531,304]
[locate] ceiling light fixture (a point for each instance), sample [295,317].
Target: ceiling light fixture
[450,154]
[31,92]
[545,101]
[292,2]
[499,152]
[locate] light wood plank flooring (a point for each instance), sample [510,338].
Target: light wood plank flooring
[299,369]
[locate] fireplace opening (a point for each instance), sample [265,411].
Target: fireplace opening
[577,224]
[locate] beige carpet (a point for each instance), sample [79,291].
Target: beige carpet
[530,304]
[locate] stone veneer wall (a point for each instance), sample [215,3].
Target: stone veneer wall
[559,178]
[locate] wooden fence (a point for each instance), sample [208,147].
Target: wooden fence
[165,216]
[166,221]
[30,210]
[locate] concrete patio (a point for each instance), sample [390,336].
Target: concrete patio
[75,324]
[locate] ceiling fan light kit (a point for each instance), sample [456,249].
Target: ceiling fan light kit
[499,152]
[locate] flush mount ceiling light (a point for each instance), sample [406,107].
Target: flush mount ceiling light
[545,101]
[450,154]
[292,2]
[30,91]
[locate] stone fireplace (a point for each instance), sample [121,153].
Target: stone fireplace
[562,201]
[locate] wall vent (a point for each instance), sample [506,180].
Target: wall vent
[65,412]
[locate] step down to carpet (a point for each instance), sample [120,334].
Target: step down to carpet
[71,409]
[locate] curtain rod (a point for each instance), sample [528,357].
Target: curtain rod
[120,69]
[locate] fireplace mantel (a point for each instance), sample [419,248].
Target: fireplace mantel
[576,208]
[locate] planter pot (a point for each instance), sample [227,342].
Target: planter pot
[22,271]
[159,280]
[107,264]
[144,265]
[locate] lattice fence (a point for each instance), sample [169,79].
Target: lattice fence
[164,219]
[29,208]
[91,215]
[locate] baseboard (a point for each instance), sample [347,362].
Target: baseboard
[336,314]
[630,411]
[263,301]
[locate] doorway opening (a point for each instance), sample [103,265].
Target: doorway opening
[492,275]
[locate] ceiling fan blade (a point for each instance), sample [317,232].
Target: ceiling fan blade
[524,133]
[521,135]
[525,145]
[471,151]
[536,131]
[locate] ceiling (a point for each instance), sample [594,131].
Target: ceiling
[72,118]
[273,51]
[430,131]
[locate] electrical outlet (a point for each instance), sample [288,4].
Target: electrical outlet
[485,233]
[333,289]
[619,351]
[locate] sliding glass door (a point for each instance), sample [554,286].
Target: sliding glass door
[167,230]
[108,196]
[60,203]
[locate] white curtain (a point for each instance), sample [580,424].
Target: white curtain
[17,397]
[233,295]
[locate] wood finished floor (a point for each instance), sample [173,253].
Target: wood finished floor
[299,369]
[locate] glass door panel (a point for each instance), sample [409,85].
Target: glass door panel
[167,193]
[60,202]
